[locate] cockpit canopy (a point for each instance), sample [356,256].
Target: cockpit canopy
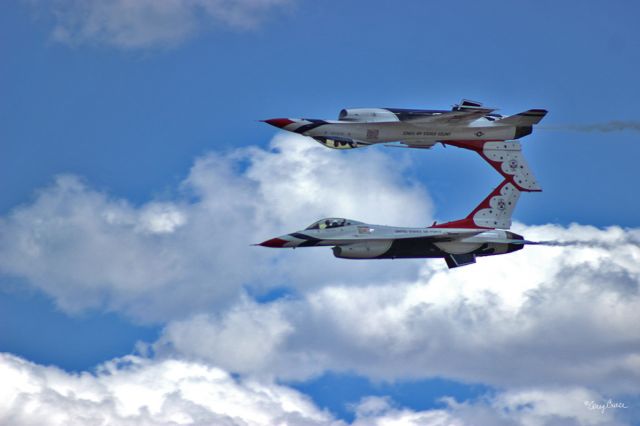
[332,222]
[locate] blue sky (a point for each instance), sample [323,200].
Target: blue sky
[143,115]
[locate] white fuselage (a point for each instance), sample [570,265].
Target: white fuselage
[413,133]
[356,240]
[416,128]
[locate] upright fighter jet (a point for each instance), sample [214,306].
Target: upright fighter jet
[413,128]
[481,233]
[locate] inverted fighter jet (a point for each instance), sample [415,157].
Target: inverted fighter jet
[413,128]
[482,233]
[468,125]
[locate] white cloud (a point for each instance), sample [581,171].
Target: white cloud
[163,260]
[132,24]
[533,407]
[133,390]
[538,322]
[138,391]
[159,218]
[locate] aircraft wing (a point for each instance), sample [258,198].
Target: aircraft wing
[450,118]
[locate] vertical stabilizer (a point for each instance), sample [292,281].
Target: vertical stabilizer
[506,157]
[493,212]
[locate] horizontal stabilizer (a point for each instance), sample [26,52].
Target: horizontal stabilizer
[527,118]
[457,260]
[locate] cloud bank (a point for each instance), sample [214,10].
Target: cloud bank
[135,24]
[136,391]
[549,327]
[167,259]
[132,390]
[561,315]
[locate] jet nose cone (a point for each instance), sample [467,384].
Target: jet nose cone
[279,122]
[274,242]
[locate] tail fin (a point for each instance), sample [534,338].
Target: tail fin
[527,118]
[506,157]
[493,212]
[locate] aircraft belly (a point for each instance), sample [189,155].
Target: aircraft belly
[392,132]
[477,133]
[419,133]
[420,248]
[456,247]
[412,248]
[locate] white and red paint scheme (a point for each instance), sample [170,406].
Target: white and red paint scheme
[482,233]
[413,128]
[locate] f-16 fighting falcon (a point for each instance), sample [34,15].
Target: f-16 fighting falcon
[413,128]
[481,233]
[468,125]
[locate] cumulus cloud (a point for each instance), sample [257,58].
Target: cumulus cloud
[166,259]
[531,407]
[540,316]
[542,324]
[132,24]
[134,390]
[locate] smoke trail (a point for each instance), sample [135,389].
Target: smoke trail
[607,127]
[586,244]
[572,244]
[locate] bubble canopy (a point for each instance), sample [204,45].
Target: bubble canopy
[332,222]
